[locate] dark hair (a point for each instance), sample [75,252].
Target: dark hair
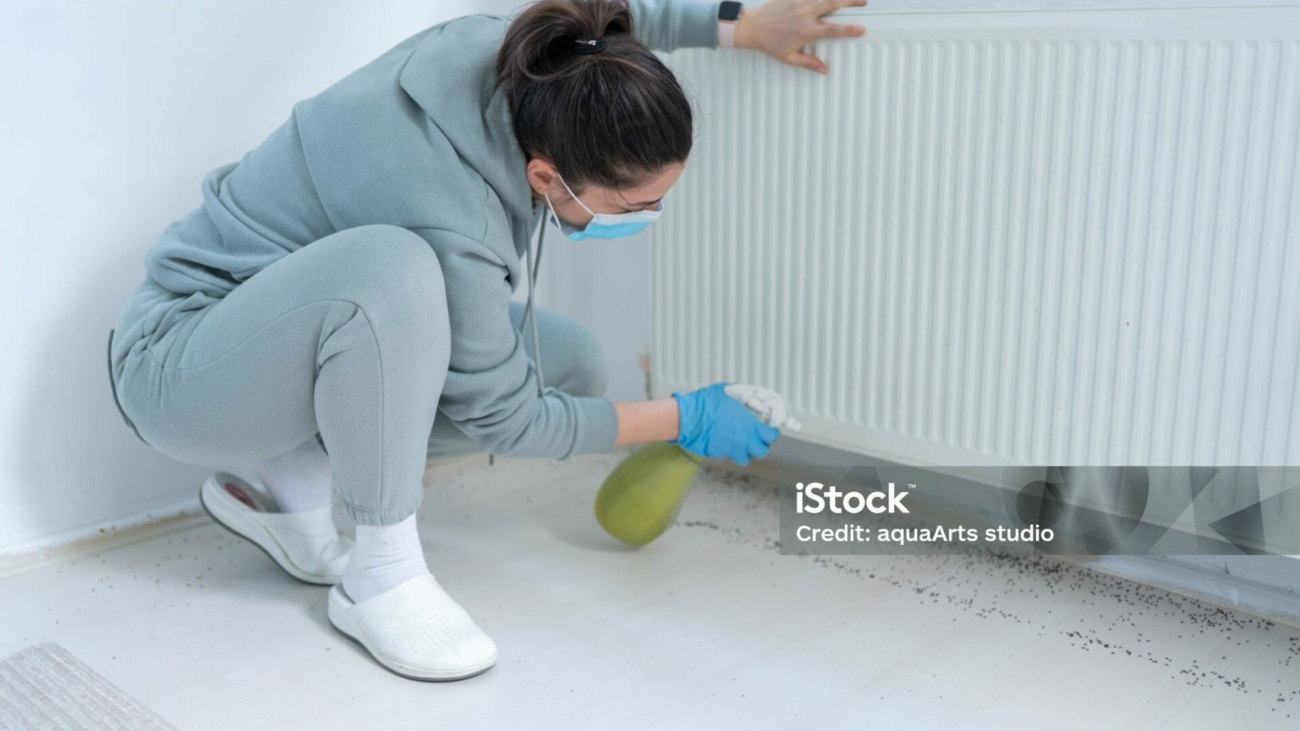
[611,116]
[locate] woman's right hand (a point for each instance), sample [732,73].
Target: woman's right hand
[717,426]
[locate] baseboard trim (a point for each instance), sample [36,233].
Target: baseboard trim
[173,518]
[1204,584]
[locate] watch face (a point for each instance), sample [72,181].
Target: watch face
[729,10]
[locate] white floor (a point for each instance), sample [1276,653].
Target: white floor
[710,627]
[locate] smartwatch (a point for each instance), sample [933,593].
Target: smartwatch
[728,13]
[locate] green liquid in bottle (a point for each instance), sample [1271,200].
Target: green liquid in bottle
[643,495]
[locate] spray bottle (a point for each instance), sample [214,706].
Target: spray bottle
[643,495]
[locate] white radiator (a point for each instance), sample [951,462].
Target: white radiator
[1001,237]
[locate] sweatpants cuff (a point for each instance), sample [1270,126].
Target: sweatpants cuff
[379,516]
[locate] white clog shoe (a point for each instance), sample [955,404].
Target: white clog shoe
[415,630]
[306,545]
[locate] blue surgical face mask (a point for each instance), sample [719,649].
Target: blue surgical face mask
[604,225]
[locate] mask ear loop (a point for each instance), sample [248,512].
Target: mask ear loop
[574,195]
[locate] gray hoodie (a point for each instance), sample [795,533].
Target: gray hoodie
[416,138]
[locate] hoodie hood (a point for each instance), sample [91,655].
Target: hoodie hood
[451,75]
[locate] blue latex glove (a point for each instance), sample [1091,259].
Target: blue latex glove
[715,425]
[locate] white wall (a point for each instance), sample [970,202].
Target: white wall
[112,114]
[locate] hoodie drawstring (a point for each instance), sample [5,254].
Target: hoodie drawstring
[529,316]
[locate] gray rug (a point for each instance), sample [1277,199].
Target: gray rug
[45,688]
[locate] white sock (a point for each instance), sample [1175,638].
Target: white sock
[383,557]
[300,479]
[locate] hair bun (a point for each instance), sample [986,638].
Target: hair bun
[586,48]
[546,37]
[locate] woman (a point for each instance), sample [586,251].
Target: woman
[418,181]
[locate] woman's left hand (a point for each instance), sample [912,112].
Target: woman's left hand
[782,28]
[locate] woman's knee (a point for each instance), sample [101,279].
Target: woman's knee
[392,274]
[395,257]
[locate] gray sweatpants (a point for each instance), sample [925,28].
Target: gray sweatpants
[347,337]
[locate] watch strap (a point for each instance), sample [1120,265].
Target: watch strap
[728,14]
[726,34]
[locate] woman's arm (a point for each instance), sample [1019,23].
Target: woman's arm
[656,420]
[666,25]
[490,392]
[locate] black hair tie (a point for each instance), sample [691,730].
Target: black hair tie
[586,48]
